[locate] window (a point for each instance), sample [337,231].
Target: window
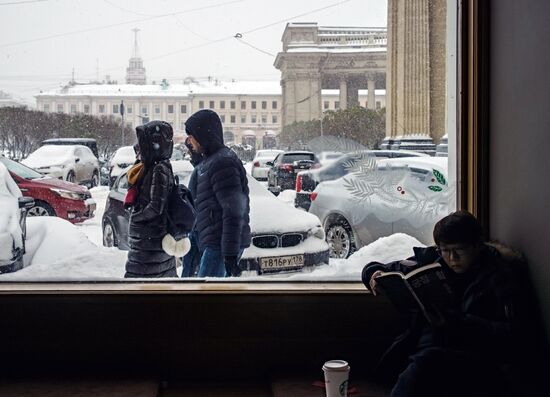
[46,107]
[303,93]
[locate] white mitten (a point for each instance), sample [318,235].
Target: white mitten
[177,248]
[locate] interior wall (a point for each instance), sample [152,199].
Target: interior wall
[520,134]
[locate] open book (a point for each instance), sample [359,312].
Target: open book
[425,288]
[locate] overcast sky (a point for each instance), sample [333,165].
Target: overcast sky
[41,41]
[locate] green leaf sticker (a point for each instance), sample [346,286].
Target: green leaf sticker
[440,178]
[435,188]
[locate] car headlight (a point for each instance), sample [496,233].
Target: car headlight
[317,231]
[66,194]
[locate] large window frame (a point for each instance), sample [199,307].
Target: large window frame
[472,181]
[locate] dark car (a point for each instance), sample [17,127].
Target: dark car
[307,181]
[52,196]
[282,171]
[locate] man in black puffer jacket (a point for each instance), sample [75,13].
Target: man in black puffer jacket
[148,220]
[221,198]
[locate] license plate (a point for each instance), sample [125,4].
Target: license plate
[281,262]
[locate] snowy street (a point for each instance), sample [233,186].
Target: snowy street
[58,250]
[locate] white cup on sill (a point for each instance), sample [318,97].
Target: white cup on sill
[336,378]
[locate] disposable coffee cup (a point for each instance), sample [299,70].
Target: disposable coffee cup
[336,378]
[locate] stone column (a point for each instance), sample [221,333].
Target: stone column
[352,97]
[371,99]
[343,94]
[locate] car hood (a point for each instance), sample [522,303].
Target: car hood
[268,214]
[58,184]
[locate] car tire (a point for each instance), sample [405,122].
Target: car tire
[109,235]
[95,179]
[41,208]
[71,177]
[340,238]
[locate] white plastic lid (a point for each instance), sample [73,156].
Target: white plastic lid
[336,365]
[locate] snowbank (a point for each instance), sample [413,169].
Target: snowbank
[10,231]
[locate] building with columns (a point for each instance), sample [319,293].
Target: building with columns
[243,106]
[315,58]
[416,77]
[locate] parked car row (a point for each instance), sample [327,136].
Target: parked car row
[283,239]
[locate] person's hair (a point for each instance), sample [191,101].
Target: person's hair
[459,227]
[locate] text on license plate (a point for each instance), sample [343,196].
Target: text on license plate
[281,262]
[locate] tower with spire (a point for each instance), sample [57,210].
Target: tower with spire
[135,72]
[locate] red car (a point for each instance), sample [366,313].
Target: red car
[53,197]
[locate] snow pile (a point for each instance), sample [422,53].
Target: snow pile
[287,196]
[385,249]
[57,250]
[92,228]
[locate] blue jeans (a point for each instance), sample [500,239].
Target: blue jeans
[212,263]
[192,259]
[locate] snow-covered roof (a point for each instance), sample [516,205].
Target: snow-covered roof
[125,90]
[330,48]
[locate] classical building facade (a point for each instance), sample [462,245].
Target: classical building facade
[244,107]
[416,76]
[315,58]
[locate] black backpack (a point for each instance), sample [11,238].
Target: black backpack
[180,211]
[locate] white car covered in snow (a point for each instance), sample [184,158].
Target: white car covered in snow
[259,168]
[72,163]
[13,207]
[124,157]
[382,197]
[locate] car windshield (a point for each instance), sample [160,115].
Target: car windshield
[19,169]
[51,151]
[290,158]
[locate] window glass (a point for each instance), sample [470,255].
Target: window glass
[379,153]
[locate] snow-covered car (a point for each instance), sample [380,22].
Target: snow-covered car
[124,157]
[404,195]
[327,157]
[259,168]
[13,207]
[307,181]
[72,163]
[52,197]
[283,238]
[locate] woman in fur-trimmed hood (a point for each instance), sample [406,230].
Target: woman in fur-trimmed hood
[148,221]
[491,342]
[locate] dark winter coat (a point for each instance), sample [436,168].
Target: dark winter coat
[148,220]
[493,318]
[220,189]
